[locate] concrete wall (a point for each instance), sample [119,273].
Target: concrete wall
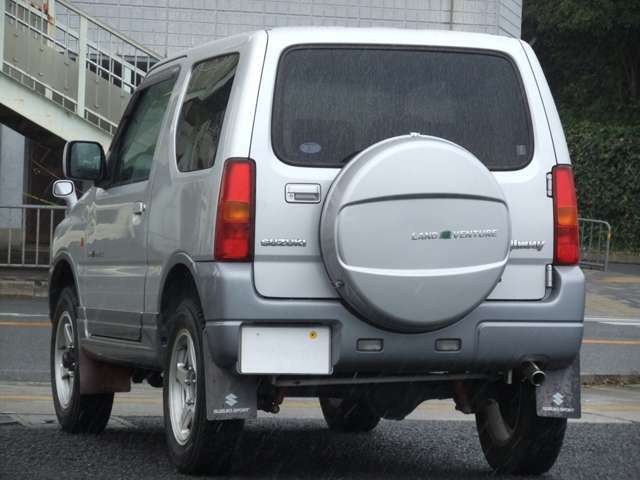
[510,17]
[11,167]
[11,187]
[168,26]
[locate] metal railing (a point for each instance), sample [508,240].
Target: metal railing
[595,240]
[26,233]
[40,47]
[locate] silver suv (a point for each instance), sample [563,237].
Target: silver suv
[372,217]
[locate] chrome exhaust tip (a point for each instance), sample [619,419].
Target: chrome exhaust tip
[533,374]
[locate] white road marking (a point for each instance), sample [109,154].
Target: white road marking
[34,315]
[623,324]
[617,320]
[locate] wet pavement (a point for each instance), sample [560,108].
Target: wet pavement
[288,448]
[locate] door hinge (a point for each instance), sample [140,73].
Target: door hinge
[549,185]
[548,276]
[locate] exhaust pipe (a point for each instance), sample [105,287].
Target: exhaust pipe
[533,374]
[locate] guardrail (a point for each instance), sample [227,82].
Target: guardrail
[595,241]
[26,232]
[72,59]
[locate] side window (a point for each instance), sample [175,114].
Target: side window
[133,152]
[202,113]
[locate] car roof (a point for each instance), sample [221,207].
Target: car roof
[387,36]
[288,36]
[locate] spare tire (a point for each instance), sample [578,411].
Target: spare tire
[414,233]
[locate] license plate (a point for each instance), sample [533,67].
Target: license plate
[285,350]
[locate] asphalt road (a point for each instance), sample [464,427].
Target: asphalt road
[436,441]
[288,448]
[611,345]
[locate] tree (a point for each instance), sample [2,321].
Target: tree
[590,53]
[590,50]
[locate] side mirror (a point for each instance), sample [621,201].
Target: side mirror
[66,190]
[84,161]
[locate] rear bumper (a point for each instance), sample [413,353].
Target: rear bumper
[496,335]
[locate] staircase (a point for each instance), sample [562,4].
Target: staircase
[65,73]
[64,76]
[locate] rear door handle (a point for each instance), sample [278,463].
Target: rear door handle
[139,208]
[302,192]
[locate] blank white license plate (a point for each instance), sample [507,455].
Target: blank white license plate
[285,350]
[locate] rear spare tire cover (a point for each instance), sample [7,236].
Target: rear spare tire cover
[414,233]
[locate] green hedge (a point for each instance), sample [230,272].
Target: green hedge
[606,161]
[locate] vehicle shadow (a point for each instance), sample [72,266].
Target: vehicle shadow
[315,452]
[268,448]
[283,448]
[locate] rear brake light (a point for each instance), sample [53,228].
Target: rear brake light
[565,216]
[234,222]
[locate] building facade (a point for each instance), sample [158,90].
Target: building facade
[168,26]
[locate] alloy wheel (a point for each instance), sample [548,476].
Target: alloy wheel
[65,359]
[183,386]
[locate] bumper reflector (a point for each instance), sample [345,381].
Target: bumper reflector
[448,344]
[369,345]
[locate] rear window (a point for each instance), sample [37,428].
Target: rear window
[202,113]
[331,103]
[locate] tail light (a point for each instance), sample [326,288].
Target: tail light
[235,219]
[565,216]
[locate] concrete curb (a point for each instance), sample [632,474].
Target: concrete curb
[615,380]
[24,288]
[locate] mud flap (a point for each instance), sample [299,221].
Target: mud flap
[229,396]
[100,377]
[559,395]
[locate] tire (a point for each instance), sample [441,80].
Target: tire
[348,415]
[76,413]
[513,438]
[201,446]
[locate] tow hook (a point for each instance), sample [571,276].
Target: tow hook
[533,374]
